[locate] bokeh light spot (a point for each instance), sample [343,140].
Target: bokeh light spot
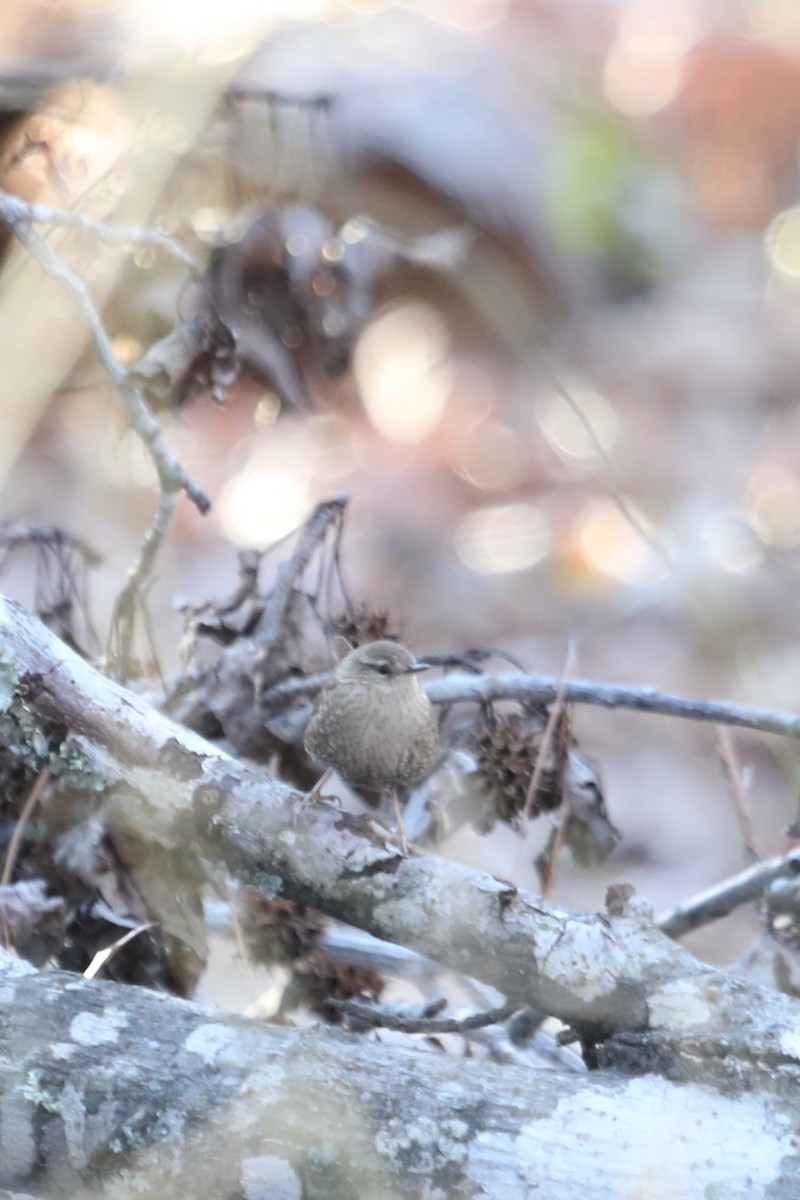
[127,347]
[579,430]
[644,69]
[471,16]
[503,538]
[145,258]
[773,504]
[612,546]
[783,242]
[730,541]
[266,410]
[403,373]
[262,504]
[333,250]
[208,221]
[296,245]
[492,457]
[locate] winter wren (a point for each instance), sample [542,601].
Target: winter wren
[373,723]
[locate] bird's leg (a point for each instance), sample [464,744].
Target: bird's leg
[309,797]
[398,817]
[318,786]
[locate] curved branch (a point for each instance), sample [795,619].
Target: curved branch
[13,209]
[385,1018]
[20,218]
[171,475]
[717,901]
[544,689]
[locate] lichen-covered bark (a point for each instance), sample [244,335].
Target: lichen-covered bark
[108,1090]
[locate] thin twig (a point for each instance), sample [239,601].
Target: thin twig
[120,648]
[383,1018]
[552,852]
[9,861]
[723,898]
[545,688]
[553,719]
[171,475]
[313,533]
[19,535]
[733,774]
[102,957]
[354,946]
[617,491]
[549,729]
[12,209]
[19,217]
[236,923]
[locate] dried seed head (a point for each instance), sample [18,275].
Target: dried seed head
[507,751]
[362,625]
[277,931]
[318,979]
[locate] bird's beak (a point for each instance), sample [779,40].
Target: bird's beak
[420,666]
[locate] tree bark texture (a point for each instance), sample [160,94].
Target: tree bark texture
[110,1090]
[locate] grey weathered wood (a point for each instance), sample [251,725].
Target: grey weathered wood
[114,1091]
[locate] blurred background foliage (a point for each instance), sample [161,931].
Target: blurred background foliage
[520,275]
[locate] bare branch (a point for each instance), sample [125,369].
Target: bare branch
[732,771]
[14,210]
[123,619]
[327,514]
[723,898]
[20,218]
[104,956]
[171,475]
[385,1018]
[544,689]
[34,796]
[19,534]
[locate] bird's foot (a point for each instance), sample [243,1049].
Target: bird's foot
[316,791]
[389,837]
[315,794]
[399,829]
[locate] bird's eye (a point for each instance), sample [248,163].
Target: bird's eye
[383,669]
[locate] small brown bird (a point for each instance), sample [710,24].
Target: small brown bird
[373,723]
